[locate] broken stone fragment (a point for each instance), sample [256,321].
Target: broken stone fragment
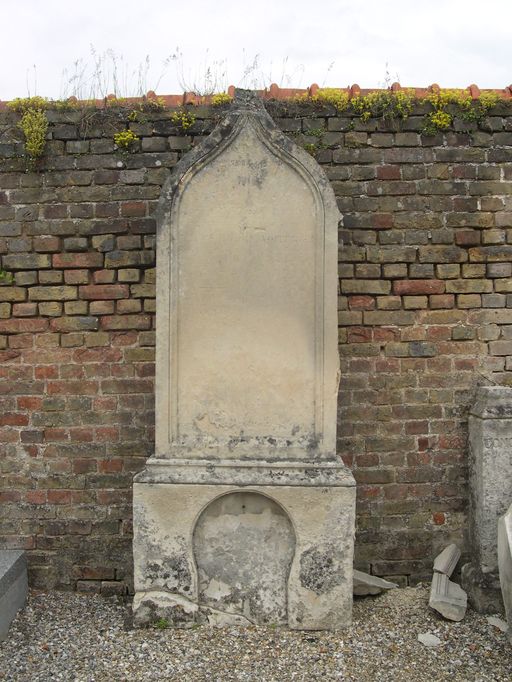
[447,560]
[428,639]
[505,564]
[447,598]
[364,584]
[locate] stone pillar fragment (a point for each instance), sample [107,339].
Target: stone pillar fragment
[490,476]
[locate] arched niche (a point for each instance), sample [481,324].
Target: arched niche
[243,545]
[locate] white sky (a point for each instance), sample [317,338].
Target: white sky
[298,42]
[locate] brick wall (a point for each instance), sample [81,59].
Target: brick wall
[425,315]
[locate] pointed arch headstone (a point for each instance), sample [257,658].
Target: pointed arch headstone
[247,367]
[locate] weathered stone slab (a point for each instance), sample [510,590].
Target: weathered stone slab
[447,598]
[490,445]
[245,514]
[505,564]
[446,561]
[13,587]
[364,584]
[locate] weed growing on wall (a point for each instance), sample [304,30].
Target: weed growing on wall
[220,99]
[34,124]
[183,119]
[385,104]
[451,104]
[125,139]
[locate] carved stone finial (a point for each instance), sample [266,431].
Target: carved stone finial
[247,99]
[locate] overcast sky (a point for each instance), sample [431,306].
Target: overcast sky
[291,42]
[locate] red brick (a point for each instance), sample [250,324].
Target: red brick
[77,260]
[46,372]
[467,238]
[36,496]
[418,286]
[361,302]
[388,172]
[72,387]
[104,291]
[29,403]
[57,496]
[13,419]
[135,209]
[18,325]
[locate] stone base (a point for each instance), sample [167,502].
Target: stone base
[13,587]
[274,545]
[483,589]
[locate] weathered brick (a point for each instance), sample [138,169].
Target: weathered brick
[27,261]
[365,286]
[442,254]
[74,324]
[12,293]
[77,260]
[60,293]
[468,286]
[104,291]
[121,322]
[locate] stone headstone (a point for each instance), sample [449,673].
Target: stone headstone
[245,514]
[505,564]
[490,477]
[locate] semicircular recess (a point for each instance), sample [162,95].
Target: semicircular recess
[243,545]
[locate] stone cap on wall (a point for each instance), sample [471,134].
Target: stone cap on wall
[275,92]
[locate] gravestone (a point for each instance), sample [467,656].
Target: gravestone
[490,479]
[245,515]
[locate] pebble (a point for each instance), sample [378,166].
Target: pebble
[73,637]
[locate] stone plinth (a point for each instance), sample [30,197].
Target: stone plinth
[245,514]
[490,460]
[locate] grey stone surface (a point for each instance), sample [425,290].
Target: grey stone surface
[364,584]
[446,561]
[505,564]
[447,598]
[490,460]
[13,587]
[245,515]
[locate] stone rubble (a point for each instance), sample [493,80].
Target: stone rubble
[70,637]
[365,584]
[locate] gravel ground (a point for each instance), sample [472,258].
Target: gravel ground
[83,638]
